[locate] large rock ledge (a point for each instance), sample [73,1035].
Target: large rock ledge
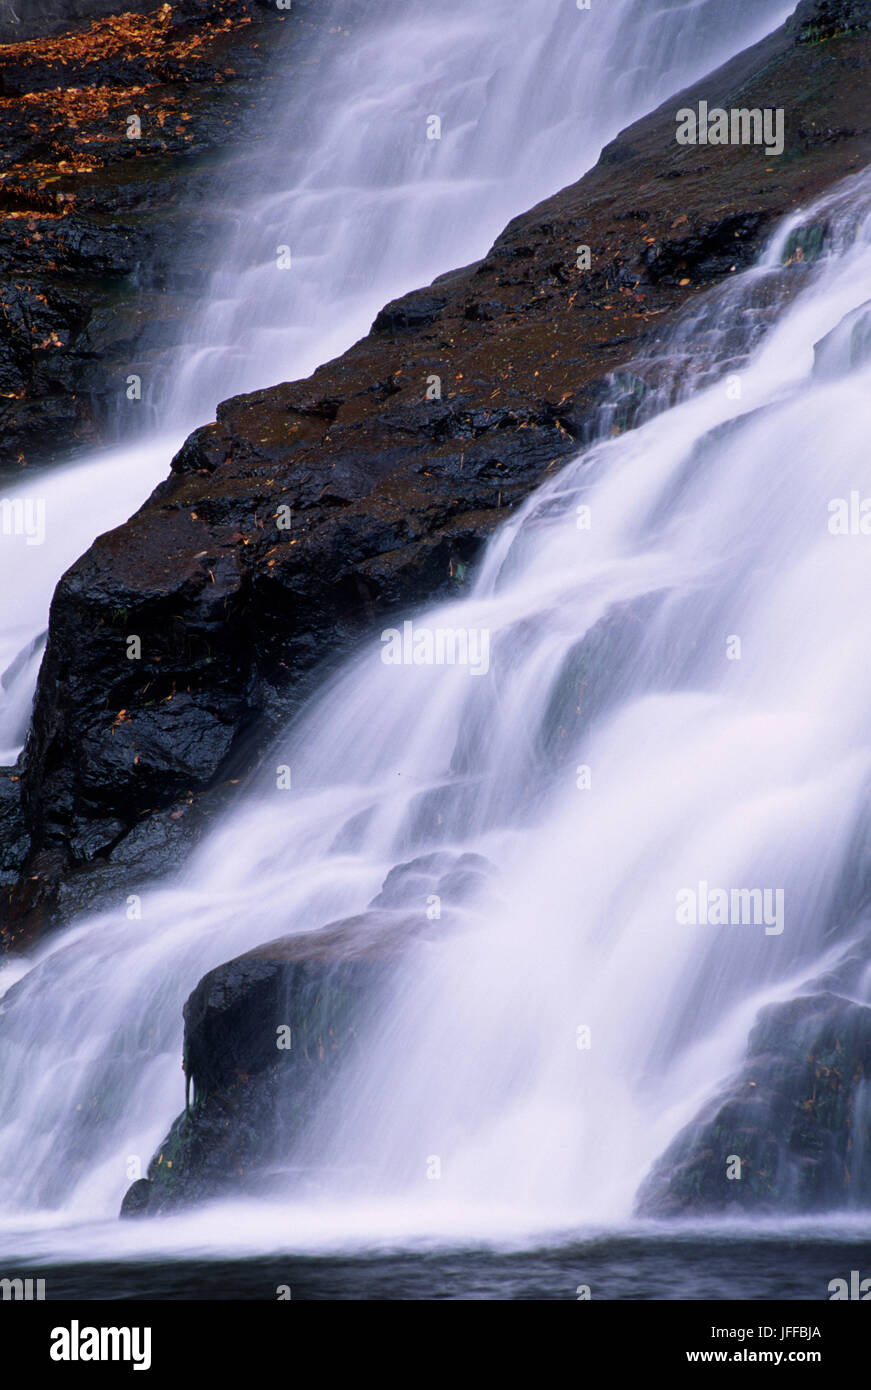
[392,495]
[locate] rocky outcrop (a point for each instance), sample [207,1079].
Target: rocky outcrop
[13,831]
[265,1033]
[792,1132]
[391,494]
[102,237]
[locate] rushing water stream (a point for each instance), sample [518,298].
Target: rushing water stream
[676,691]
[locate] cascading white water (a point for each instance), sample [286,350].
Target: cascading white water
[709,522]
[525,97]
[369,207]
[61,519]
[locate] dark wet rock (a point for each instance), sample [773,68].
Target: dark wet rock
[237,1069]
[412,311]
[137,1198]
[454,879]
[114,862]
[717,249]
[816,21]
[798,1117]
[266,1032]
[392,495]
[14,839]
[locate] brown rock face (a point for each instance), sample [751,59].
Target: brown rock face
[391,494]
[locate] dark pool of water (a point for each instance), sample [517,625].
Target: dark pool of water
[627,1267]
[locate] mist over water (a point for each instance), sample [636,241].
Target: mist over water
[615,753]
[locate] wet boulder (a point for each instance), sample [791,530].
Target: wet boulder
[791,1132]
[266,1033]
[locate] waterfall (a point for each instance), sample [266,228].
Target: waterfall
[675,693]
[375,199]
[369,207]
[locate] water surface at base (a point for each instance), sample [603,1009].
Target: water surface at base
[767,1267]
